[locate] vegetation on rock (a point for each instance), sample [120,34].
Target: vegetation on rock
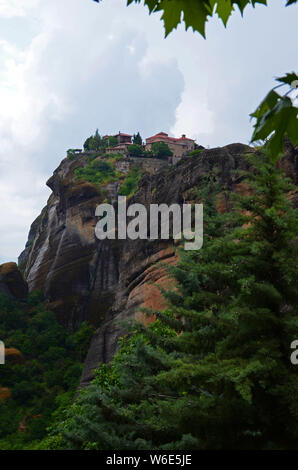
[161,150]
[136,150]
[130,184]
[98,172]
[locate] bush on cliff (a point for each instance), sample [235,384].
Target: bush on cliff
[136,150]
[161,150]
[98,172]
[130,183]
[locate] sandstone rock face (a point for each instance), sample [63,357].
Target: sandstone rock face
[107,282]
[150,165]
[12,282]
[77,273]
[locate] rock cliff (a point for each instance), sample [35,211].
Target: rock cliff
[12,282]
[105,282]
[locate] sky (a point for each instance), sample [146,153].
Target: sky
[69,67]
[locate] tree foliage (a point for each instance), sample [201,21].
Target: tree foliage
[195,13]
[136,150]
[137,139]
[98,143]
[161,150]
[46,375]
[130,183]
[98,172]
[276,117]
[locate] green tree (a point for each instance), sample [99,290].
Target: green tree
[87,144]
[136,150]
[94,142]
[137,139]
[110,141]
[161,150]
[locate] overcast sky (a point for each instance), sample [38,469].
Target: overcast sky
[68,67]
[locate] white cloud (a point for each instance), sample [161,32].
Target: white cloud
[11,8]
[22,193]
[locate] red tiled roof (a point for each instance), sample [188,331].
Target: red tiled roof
[160,134]
[159,138]
[164,136]
[124,135]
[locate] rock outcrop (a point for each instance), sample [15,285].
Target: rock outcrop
[12,282]
[107,282]
[64,260]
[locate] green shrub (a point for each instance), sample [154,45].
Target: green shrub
[161,150]
[130,184]
[196,152]
[98,172]
[136,150]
